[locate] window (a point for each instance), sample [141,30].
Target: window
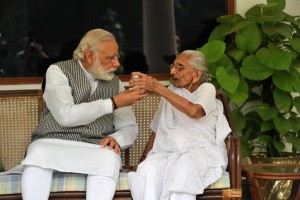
[53,24]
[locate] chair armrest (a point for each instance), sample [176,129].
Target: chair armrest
[234,160]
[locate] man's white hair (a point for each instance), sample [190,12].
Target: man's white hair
[91,41]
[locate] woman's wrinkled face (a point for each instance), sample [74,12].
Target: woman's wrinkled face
[182,72]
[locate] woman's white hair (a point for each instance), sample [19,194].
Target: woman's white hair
[91,41]
[198,61]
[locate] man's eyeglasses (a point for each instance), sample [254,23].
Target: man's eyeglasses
[179,67]
[112,58]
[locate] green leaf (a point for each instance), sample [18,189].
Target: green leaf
[295,72]
[274,58]
[239,120]
[284,81]
[265,139]
[247,150]
[249,38]
[219,32]
[236,54]
[289,137]
[230,19]
[225,62]
[283,100]
[294,20]
[283,125]
[261,13]
[295,123]
[279,4]
[279,145]
[266,112]
[237,26]
[296,102]
[228,79]
[278,29]
[295,43]
[296,144]
[252,69]
[267,125]
[213,50]
[240,96]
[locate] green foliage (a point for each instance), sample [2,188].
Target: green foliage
[255,60]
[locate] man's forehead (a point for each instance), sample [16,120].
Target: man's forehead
[109,45]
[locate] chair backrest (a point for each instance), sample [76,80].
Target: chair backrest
[19,115]
[144,111]
[20,112]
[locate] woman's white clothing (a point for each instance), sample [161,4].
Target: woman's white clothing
[185,157]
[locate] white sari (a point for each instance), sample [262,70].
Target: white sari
[188,154]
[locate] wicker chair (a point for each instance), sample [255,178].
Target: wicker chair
[19,114]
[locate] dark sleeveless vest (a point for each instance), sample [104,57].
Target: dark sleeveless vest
[81,91]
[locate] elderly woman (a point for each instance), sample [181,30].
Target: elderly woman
[189,129]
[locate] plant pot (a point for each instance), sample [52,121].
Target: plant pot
[279,189]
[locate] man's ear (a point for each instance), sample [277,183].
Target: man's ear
[89,57]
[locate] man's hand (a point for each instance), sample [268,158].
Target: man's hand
[128,97]
[111,142]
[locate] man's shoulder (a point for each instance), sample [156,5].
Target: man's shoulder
[66,62]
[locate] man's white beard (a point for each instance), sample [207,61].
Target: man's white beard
[99,72]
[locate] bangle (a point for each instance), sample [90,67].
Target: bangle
[114,103]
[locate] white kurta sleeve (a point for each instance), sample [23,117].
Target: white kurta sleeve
[60,102]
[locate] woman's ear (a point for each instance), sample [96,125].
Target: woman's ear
[198,74]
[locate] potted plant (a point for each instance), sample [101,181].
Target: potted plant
[255,60]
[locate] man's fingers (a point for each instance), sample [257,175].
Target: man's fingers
[104,142]
[111,143]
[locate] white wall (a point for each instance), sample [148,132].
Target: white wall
[241,6]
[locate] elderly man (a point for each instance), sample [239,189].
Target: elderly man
[86,120]
[189,128]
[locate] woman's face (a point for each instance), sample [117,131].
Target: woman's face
[182,72]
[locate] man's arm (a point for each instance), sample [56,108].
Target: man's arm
[125,125]
[60,102]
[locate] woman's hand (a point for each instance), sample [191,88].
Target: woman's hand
[142,81]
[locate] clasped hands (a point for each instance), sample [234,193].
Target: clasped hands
[142,81]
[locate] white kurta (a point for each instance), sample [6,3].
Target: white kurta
[185,157]
[80,157]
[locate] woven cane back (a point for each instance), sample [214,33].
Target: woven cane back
[144,111]
[18,117]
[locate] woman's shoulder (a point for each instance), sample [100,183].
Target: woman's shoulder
[207,87]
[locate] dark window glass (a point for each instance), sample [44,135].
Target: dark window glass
[57,26]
